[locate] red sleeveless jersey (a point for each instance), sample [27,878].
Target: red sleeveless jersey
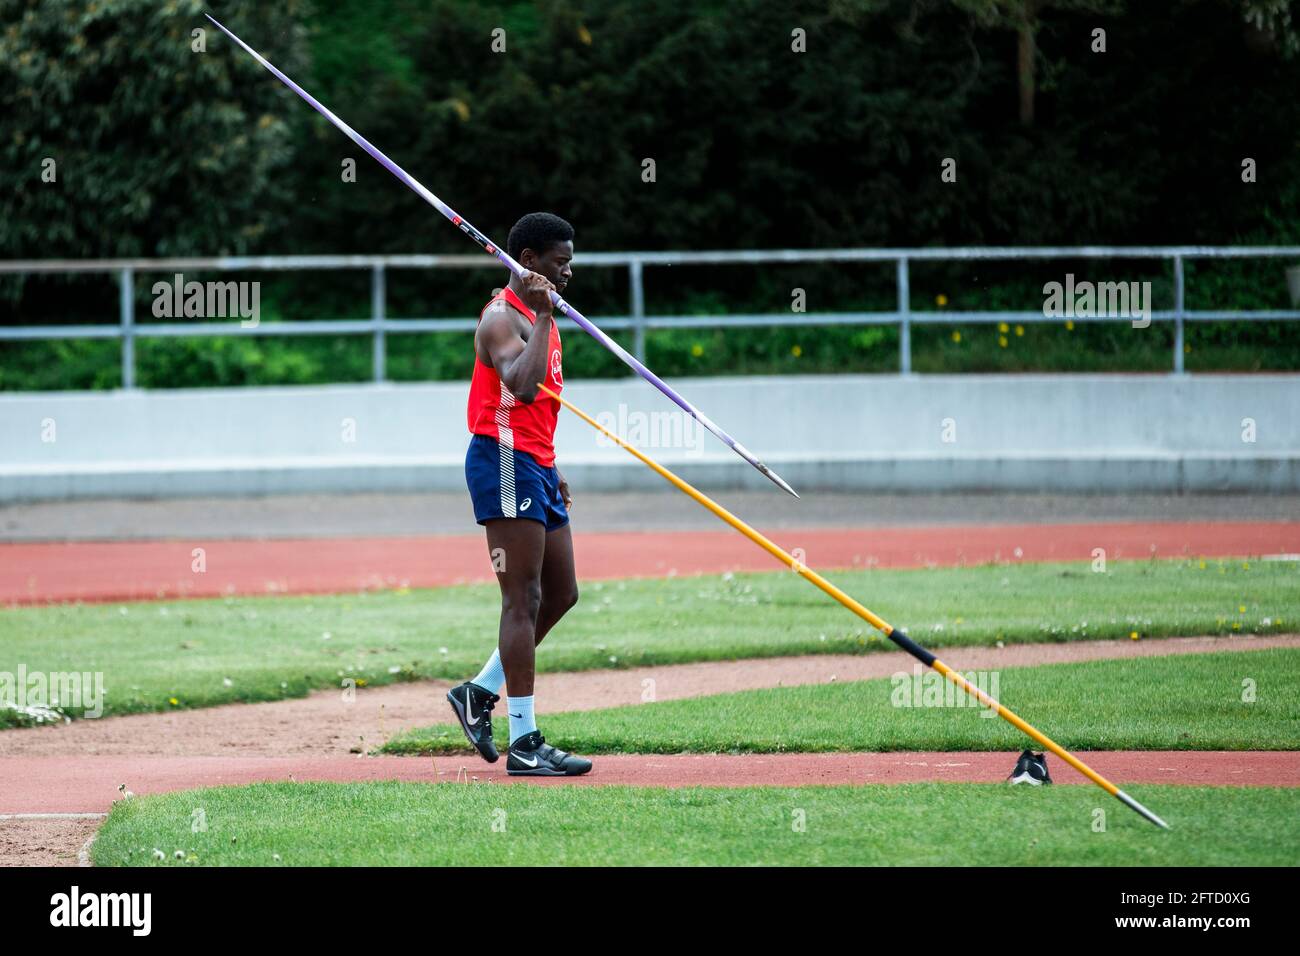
[494,410]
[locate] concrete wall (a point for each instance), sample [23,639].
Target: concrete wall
[1025,432]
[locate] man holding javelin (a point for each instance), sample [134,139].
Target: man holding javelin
[519,497]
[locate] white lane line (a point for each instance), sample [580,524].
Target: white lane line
[83,855]
[52,816]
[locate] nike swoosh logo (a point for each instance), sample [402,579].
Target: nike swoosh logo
[469,709]
[526,761]
[517,716]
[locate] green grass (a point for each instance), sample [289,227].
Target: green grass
[412,824]
[206,652]
[1183,702]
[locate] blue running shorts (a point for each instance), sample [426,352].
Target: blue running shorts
[507,483]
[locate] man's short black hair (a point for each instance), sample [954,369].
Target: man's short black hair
[536,231]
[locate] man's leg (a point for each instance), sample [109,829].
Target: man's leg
[521,542]
[547,590]
[559,595]
[559,581]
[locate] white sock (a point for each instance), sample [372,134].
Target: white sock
[493,675]
[521,717]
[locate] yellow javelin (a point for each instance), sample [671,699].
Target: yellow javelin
[894,634]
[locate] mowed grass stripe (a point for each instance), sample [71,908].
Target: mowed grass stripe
[164,655]
[1220,701]
[407,824]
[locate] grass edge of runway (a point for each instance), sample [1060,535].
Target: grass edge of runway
[929,824]
[159,656]
[1176,702]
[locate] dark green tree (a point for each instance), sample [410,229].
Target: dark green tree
[1024,17]
[157,149]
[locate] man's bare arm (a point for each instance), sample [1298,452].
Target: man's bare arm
[520,364]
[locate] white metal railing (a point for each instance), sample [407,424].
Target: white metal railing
[380,325]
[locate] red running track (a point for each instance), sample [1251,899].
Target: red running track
[89,784]
[145,570]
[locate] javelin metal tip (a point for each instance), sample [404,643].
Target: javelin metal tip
[777,480]
[1133,804]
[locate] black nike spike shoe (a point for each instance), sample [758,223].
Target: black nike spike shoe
[1031,768]
[473,707]
[532,756]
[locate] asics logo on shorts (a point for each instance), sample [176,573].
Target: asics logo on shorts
[525,504]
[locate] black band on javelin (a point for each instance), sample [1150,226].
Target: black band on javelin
[916,650]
